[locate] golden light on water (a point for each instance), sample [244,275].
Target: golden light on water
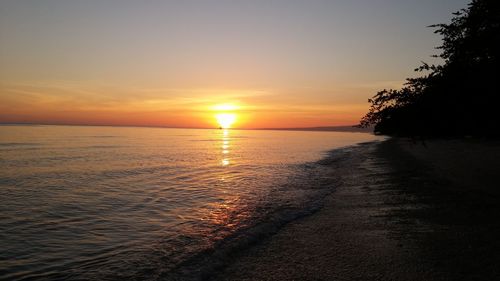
[225,147]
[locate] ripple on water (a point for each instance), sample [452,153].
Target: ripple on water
[95,203]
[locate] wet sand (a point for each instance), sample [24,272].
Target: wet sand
[400,211]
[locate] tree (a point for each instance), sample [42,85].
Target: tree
[459,97]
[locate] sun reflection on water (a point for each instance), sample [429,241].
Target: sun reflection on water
[228,212]
[225,147]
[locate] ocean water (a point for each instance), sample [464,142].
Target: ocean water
[109,203]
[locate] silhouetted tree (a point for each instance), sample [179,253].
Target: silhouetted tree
[459,97]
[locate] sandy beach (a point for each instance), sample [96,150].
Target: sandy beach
[401,211]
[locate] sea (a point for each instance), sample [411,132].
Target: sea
[132,203]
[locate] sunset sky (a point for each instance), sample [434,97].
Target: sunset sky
[282,63]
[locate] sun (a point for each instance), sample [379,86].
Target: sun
[225,114]
[225,120]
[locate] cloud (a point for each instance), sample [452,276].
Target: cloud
[88,96]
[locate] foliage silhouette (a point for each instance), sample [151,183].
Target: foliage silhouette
[459,97]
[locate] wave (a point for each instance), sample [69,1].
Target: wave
[16,144]
[310,178]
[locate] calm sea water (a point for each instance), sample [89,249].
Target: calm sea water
[95,203]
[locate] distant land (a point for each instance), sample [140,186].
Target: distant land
[351,128]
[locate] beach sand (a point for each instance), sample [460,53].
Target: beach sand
[400,211]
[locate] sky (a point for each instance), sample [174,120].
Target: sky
[271,63]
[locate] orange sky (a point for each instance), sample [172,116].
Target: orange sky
[75,104]
[167,63]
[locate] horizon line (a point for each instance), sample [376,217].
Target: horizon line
[345,128]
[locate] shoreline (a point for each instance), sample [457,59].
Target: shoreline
[395,215]
[106,200]
[208,263]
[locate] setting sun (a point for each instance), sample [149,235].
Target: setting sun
[225,115]
[225,120]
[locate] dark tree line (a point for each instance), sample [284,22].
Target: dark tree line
[459,97]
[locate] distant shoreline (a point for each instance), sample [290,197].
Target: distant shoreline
[350,129]
[347,128]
